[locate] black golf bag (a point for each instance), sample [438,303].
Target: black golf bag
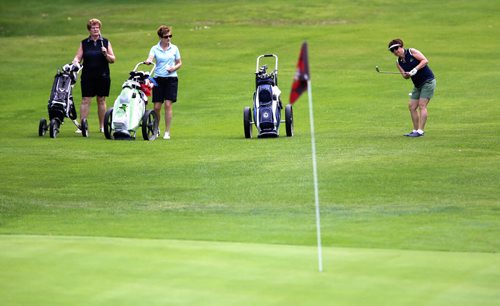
[60,104]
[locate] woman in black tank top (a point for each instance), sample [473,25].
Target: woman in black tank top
[96,53]
[411,63]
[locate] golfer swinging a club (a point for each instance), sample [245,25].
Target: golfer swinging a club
[413,64]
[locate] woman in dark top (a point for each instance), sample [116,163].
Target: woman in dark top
[413,64]
[96,53]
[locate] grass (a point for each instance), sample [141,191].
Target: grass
[238,273]
[397,214]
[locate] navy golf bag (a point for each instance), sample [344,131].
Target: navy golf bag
[267,104]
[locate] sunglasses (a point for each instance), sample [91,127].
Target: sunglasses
[393,49]
[167,36]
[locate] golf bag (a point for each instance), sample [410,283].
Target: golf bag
[267,104]
[129,110]
[60,104]
[61,97]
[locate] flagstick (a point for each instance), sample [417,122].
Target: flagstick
[315,174]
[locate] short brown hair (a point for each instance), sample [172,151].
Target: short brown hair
[92,22]
[162,30]
[396,41]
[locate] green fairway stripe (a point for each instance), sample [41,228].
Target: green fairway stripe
[66,270]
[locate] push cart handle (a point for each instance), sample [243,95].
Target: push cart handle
[267,55]
[145,63]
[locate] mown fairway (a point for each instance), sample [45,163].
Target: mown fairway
[211,218]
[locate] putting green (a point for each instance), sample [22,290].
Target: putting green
[64,270]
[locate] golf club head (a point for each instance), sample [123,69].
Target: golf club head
[377,69]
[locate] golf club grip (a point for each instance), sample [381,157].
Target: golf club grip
[268,55]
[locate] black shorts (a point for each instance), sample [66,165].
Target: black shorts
[166,89]
[95,86]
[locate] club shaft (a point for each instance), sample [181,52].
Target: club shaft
[385,72]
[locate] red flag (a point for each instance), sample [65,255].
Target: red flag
[301,77]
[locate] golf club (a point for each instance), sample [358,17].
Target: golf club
[385,72]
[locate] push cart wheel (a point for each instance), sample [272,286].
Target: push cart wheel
[54,127]
[289,120]
[108,119]
[247,122]
[84,126]
[149,125]
[42,127]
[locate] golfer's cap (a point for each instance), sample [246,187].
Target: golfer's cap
[392,46]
